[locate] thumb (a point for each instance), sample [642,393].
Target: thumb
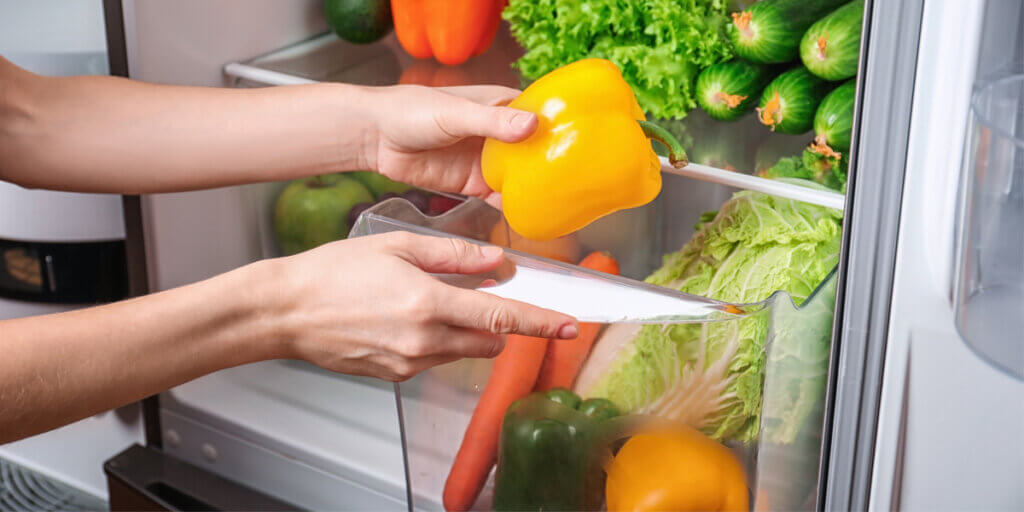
[447,255]
[465,118]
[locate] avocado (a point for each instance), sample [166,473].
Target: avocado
[359,21]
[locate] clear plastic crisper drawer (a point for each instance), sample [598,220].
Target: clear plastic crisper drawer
[751,378]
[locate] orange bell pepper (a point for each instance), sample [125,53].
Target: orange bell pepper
[449,30]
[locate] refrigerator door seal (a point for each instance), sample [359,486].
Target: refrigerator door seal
[882,123]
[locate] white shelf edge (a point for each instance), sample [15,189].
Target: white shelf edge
[263,76]
[747,182]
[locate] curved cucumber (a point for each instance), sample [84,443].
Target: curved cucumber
[789,102]
[834,119]
[770,30]
[728,90]
[831,47]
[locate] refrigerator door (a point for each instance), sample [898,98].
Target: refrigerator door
[920,422]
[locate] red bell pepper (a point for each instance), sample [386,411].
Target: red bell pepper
[449,30]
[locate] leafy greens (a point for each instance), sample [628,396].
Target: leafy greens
[659,45]
[826,170]
[711,375]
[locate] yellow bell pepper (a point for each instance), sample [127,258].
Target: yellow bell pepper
[679,470]
[589,157]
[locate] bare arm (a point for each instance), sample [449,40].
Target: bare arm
[364,306]
[108,134]
[56,369]
[113,135]
[63,367]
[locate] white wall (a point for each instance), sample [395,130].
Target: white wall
[54,36]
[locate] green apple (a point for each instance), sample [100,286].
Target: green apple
[313,211]
[378,183]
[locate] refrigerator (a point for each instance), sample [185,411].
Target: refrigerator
[915,407]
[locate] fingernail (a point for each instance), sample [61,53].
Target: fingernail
[568,332]
[522,121]
[491,251]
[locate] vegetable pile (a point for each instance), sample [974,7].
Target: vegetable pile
[792,54]
[710,376]
[660,45]
[770,30]
[525,364]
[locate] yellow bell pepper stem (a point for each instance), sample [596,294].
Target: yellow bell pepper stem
[676,153]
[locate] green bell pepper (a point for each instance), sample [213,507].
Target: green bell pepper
[550,454]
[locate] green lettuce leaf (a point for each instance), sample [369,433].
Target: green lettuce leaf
[660,45]
[711,375]
[828,171]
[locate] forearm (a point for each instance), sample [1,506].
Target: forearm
[106,134]
[60,368]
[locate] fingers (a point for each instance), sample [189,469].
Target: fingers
[462,342]
[493,199]
[478,310]
[464,118]
[445,255]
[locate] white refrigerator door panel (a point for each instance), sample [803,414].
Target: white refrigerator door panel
[949,424]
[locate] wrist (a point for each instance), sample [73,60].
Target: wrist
[266,306]
[356,126]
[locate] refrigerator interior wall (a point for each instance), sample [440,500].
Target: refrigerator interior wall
[949,423]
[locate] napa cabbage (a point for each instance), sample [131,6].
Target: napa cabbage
[711,376]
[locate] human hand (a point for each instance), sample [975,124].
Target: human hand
[367,306]
[432,137]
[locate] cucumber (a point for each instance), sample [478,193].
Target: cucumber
[359,21]
[728,90]
[770,30]
[831,47]
[789,102]
[833,121]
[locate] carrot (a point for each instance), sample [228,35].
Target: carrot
[601,261]
[514,373]
[565,357]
